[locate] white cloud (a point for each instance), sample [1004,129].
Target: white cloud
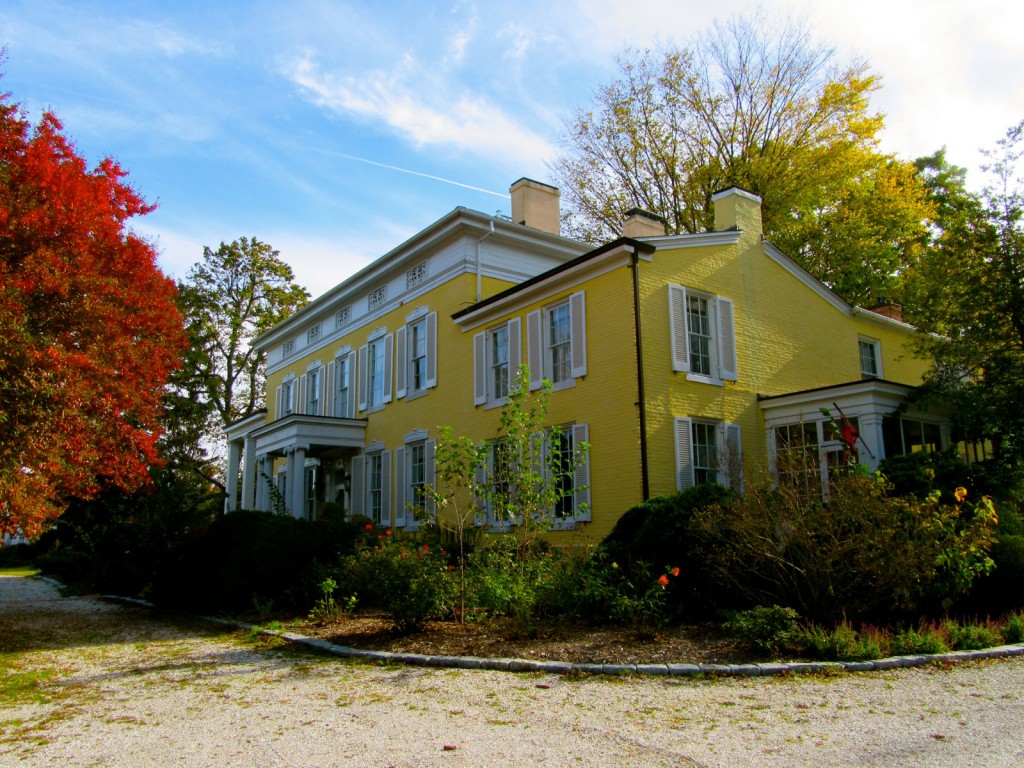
[422,110]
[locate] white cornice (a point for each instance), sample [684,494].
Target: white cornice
[414,250]
[698,240]
[558,281]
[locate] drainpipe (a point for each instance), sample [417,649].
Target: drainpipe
[641,395]
[479,279]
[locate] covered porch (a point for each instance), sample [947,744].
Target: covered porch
[317,451]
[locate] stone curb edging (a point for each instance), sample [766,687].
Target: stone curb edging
[564,668]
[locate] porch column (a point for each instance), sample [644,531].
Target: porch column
[297,478]
[249,478]
[234,456]
[262,472]
[870,426]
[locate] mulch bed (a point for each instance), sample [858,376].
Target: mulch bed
[688,643]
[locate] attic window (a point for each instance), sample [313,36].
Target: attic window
[377,297]
[288,348]
[313,334]
[416,275]
[342,317]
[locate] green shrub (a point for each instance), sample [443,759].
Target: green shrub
[844,643]
[249,557]
[971,637]
[507,579]
[860,553]
[410,582]
[575,587]
[767,628]
[1013,628]
[926,639]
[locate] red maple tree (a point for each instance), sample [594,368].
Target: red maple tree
[89,331]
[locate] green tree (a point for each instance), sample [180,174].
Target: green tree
[971,297]
[230,297]
[761,106]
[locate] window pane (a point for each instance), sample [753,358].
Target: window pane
[705,453]
[418,355]
[559,342]
[499,378]
[698,324]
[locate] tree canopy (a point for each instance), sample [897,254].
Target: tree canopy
[235,293]
[89,331]
[761,106]
[971,297]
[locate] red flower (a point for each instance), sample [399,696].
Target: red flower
[426,548]
[369,526]
[379,537]
[403,555]
[675,571]
[663,580]
[387,532]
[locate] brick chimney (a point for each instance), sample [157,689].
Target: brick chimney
[641,223]
[536,205]
[736,208]
[892,311]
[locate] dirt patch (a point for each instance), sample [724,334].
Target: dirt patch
[690,643]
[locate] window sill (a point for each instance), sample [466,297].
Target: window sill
[495,403]
[702,379]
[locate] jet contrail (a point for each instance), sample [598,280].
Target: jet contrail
[416,173]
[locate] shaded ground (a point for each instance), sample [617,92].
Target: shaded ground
[691,643]
[88,683]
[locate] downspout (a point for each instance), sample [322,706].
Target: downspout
[479,278]
[641,394]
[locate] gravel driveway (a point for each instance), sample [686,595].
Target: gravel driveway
[87,683]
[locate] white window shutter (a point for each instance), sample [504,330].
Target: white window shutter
[581,477]
[364,377]
[480,478]
[684,454]
[726,340]
[389,353]
[677,325]
[479,369]
[321,396]
[385,488]
[278,402]
[400,487]
[329,409]
[358,487]
[535,349]
[400,363]
[515,348]
[578,334]
[300,400]
[731,463]
[431,350]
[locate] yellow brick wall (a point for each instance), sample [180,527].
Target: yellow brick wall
[788,338]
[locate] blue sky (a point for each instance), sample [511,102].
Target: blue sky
[334,130]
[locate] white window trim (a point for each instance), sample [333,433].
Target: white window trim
[290,385]
[728,443]
[386,340]
[876,347]
[537,348]
[578,433]
[361,466]
[403,354]
[721,317]
[346,355]
[404,518]
[483,364]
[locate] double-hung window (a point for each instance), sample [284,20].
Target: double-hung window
[703,336]
[870,358]
[314,381]
[414,463]
[557,342]
[341,372]
[371,484]
[286,397]
[707,451]
[416,354]
[496,359]
[567,462]
[375,366]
